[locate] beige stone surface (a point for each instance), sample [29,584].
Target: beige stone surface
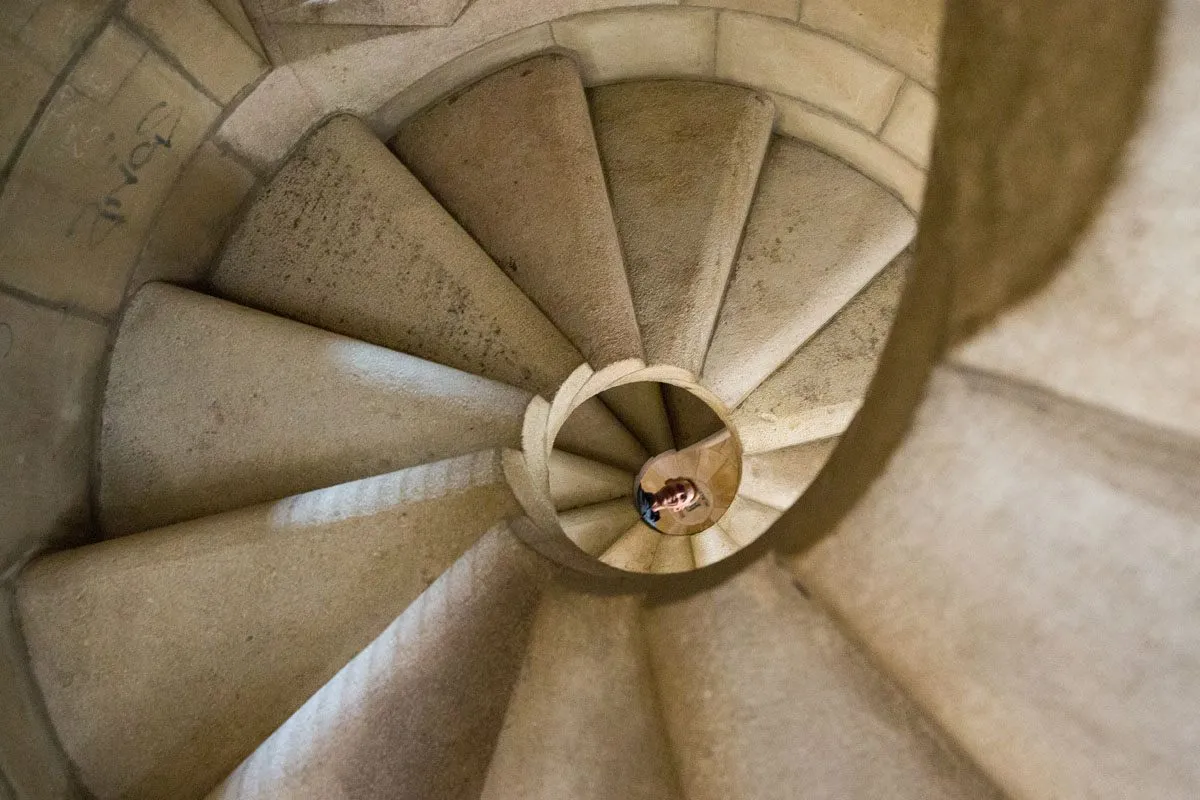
[682,159]
[212,406]
[345,238]
[640,406]
[635,550]
[1025,570]
[276,115]
[23,83]
[583,722]
[577,481]
[84,192]
[785,9]
[909,128]
[640,43]
[235,14]
[711,546]
[416,714]
[816,393]
[775,56]
[674,555]
[1118,326]
[216,630]
[364,12]
[817,233]
[195,218]
[905,34]
[777,478]
[766,699]
[864,152]
[747,519]
[49,365]
[595,528]
[692,420]
[514,159]
[54,30]
[458,72]
[207,46]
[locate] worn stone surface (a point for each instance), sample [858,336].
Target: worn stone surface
[217,630]
[816,393]
[905,34]
[23,83]
[864,152]
[576,481]
[207,46]
[763,694]
[1118,326]
[417,713]
[785,9]
[273,118]
[682,160]
[674,555]
[747,519]
[212,406]
[49,368]
[194,220]
[817,233]
[583,722]
[775,56]
[640,406]
[1025,570]
[364,12]
[594,528]
[692,421]
[777,478]
[54,30]
[514,159]
[711,546]
[640,43]
[634,551]
[909,128]
[100,161]
[235,14]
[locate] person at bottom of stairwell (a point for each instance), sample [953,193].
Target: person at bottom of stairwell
[678,494]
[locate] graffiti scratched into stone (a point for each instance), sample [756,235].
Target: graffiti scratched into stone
[98,219]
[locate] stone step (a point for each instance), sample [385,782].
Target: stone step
[416,713]
[199,639]
[346,239]
[747,519]
[818,391]
[641,408]
[817,233]
[595,528]
[682,160]
[765,699]
[777,478]
[634,550]
[212,406]
[1025,568]
[583,722]
[577,481]
[514,159]
[712,545]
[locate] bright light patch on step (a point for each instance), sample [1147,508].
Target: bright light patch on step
[392,492]
[388,370]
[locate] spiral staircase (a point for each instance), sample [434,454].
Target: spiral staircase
[363,470]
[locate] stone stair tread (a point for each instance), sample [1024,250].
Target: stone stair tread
[681,159]
[416,713]
[817,233]
[641,408]
[763,694]
[576,481]
[345,238]
[747,519]
[212,406]
[513,158]
[777,478]
[583,722]
[594,528]
[634,551]
[810,396]
[199,639]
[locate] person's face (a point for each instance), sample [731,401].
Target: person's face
[676,496]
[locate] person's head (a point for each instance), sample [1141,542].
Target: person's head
[676,495]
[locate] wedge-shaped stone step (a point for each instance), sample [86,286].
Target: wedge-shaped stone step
[817,233]
[577,481]
[196,641]
[344,237]
[777,478]
[416,714]
[212,406]
[747,519]
[514,159]
[594,528]
[818,391]
[682,159]
[583,722]
[765,699]
[635,550]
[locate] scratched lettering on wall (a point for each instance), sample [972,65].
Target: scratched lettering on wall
[96,221]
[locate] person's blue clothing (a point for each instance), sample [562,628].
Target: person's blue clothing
[644,502]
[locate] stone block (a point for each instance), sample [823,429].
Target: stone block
[905,34]
[48,367]
[909,128]
[57,29]
[23,83]
[83,194]
[864,152]
[271,119]
[778,57]
[194,219]
[640,43]
[206,45]
[409,13]
[784,9]
[107,63]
